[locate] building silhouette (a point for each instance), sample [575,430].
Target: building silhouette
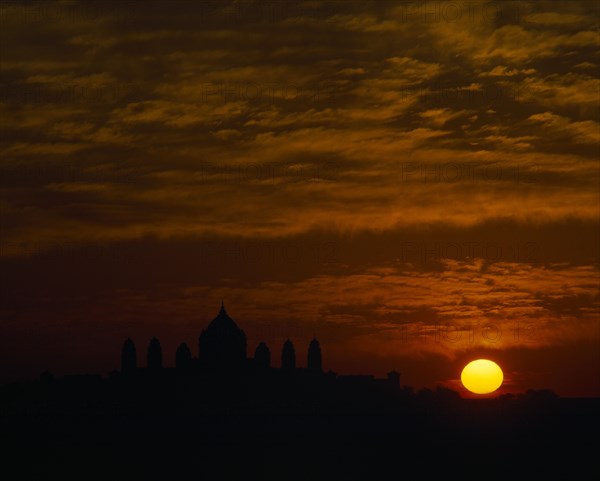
[128,356]
[183,357]
[222,351]
[288,356]
[393,379]
[154,355]
[314,362]
[262,356]
[222,345]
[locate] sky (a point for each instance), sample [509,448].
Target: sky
[413,183]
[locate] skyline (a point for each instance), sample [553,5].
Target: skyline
[414,184]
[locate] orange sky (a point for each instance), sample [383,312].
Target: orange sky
[416,183]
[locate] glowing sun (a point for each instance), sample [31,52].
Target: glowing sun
[482,376]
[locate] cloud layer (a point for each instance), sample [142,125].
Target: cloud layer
[429,164]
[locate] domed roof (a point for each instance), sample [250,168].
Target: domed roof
[222,343]
[262,348]
[222,323]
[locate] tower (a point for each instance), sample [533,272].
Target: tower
[393,378]
[222,344]
[128,356]
[288,356]
[262,356]
[154,354]
[183,356]
[314,356]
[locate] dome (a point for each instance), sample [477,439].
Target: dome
[262,356]
[222,343]
[223,323]
[288,356]
[154,354]
[314,356]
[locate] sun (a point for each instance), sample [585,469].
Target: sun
[482,376]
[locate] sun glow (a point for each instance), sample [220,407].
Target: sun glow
[482,376]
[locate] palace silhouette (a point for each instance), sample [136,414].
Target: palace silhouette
[222,348]
[223,415]
[222,356]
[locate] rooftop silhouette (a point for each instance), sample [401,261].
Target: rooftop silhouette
[223,415]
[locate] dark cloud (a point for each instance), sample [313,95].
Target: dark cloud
[356,167]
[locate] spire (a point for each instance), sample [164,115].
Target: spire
[314,356]
[262,356]
[222,311]
[288,356]
[183,356]
[154,354]
[128,356]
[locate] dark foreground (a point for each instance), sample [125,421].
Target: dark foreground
[105,430]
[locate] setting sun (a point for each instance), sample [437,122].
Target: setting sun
[482,376]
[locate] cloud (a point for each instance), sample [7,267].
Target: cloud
[586,132]
[554,18]
[502,71]
[366,120]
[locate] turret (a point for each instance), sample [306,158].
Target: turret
[154,354]
[314,356]
[288,356]
[128,357]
